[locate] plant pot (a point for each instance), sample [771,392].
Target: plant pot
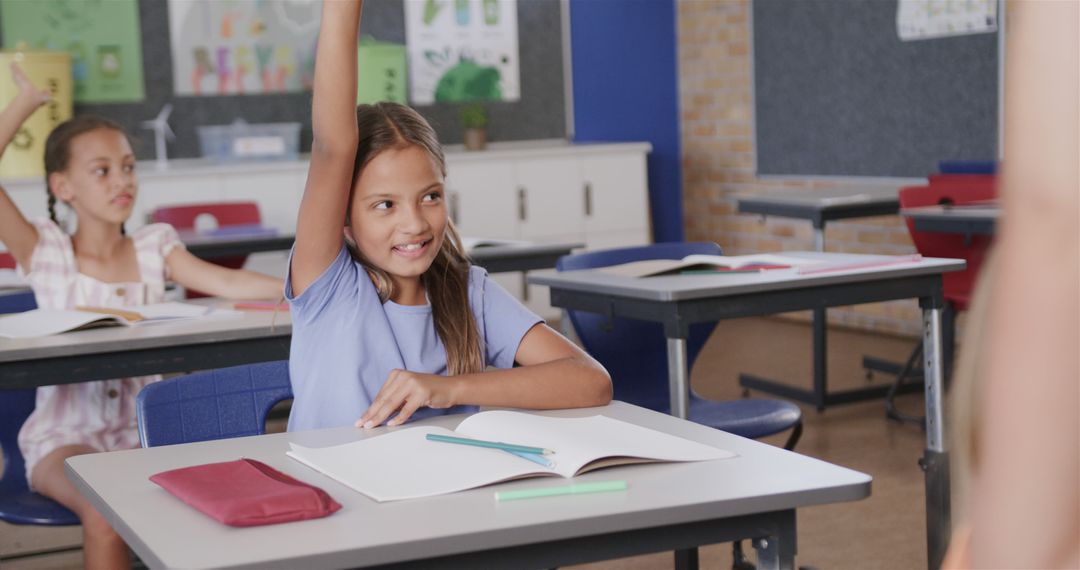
[475,139]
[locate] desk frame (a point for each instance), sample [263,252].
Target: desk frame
[676,316]
[666,507]
[818,212]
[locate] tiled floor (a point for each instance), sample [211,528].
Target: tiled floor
[884,531]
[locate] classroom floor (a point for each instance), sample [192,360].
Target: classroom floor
[887,530]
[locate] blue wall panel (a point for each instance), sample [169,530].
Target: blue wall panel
[626,88]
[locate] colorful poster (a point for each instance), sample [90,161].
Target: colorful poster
[238,47]
[926,19]
[381,72]
[462,50]
[102,37]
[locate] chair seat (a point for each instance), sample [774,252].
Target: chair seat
[749,417]
[31,508]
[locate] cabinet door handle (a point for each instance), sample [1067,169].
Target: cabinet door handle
[455,203]
[588,199]
[522,214]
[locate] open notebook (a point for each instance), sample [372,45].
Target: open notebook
[403,464]
[707,263]
[44,322]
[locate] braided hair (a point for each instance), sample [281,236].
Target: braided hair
[58,149]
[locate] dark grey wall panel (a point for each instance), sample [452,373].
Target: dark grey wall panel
[539,114]
[836,93]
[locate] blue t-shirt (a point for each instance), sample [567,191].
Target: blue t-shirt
[345,341]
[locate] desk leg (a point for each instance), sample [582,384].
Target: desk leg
[678,378]
[778,552]
[936,458]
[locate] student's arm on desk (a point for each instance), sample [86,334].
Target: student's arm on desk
[213,279]
[553,373]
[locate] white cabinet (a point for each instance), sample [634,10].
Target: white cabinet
[593,194]
[480,198]
[549,192]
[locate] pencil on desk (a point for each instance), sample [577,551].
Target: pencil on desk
[491,444]
[260,306]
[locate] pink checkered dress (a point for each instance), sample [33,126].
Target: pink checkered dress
[98,414]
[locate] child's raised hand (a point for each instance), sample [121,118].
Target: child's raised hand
[405,392]
[27,89]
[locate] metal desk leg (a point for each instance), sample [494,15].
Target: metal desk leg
[778,552]
[678,378]
[935,460]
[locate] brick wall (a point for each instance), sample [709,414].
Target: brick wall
[715,77]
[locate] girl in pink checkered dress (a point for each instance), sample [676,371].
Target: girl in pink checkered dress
[90,167]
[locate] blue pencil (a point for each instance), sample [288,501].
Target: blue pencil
[538,459]
[491,444]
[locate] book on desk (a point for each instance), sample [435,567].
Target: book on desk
[405,464]
[44,322]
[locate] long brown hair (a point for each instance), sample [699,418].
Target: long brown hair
[58,148]
[384,126]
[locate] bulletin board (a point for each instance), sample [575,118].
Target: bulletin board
[837,93]
[540,113]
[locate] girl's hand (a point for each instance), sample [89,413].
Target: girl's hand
[27,90]
[405,392]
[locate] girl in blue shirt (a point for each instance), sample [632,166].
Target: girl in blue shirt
[390,321]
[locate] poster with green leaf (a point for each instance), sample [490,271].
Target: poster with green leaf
[102,37]
[462,50]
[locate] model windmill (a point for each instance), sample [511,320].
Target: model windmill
[162,131]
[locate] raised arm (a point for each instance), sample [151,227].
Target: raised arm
[333,120]
[212,279]
[18,235]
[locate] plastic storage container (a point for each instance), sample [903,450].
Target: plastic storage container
[241,141]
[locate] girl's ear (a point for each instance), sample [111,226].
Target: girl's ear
[58,185]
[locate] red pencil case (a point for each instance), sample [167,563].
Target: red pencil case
[246,492]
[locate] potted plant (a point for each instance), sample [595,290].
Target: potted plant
[473,119]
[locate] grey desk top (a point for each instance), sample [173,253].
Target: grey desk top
[820,205]
[245,325]
[166,532]
[964,219]
[689,287]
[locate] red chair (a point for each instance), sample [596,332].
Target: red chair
[226,213]
[952,189]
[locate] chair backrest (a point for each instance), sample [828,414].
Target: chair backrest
[226,213]
[956,189]
[216,404]
[14,302]
[15,407]
[634,352]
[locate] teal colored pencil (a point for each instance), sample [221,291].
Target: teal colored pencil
[577,489]
[491,444]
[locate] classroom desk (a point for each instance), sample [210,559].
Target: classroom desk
[968,220]
[681,300]
[157,348]
[820,206]
[666,507]
[496,259]
[208,247]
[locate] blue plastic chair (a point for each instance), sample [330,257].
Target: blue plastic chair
[216,404]
[18,504]
[635,355]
